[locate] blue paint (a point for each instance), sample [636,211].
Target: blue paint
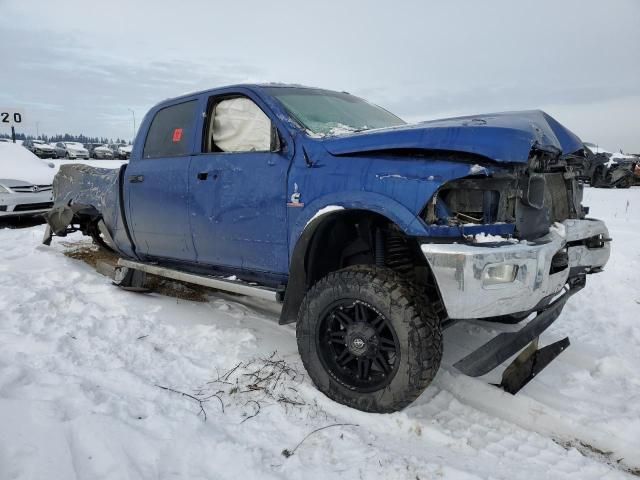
[240,219]
[502,137]
[502,229]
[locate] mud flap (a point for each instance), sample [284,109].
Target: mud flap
[59,218]
[130,279]
[48,235]
[529,363]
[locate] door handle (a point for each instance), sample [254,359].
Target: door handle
[203,175]
[136,178]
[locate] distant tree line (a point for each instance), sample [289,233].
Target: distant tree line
[67,137]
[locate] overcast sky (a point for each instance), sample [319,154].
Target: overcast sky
[77,66]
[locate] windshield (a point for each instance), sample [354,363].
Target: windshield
[324,112]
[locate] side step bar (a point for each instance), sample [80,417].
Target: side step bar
[503,346]
[506,344]
[232,286]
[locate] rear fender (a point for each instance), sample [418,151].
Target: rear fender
[62,217]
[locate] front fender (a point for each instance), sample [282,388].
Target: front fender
[314,214]
[373,202]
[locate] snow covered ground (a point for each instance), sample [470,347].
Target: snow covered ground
[90,382]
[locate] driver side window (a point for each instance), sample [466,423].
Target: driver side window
[237,125]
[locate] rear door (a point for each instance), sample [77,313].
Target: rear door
[157,185]
[238,187]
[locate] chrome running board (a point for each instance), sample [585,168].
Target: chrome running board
[218,283]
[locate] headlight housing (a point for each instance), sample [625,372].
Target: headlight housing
[4,190]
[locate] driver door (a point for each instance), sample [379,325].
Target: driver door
[238,188]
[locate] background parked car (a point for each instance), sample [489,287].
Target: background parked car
[99,151]
[605,169]
[25,182]
[71,150]
[630,163]
[125,152]
[40,148]
[121,150]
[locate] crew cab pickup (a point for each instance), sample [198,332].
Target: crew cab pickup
[375,235]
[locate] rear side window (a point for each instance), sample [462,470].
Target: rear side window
[171,131]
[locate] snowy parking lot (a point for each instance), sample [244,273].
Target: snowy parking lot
[99,383]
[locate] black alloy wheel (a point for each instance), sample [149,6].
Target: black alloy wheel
[358,345]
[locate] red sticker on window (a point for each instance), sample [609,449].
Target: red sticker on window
[177,135]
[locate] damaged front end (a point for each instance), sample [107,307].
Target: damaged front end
[524,246]
[522,202]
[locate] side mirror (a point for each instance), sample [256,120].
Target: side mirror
[276,144]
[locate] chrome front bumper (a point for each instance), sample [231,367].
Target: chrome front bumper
[460,269]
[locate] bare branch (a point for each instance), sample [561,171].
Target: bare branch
[287,453]
[192,397]
[255,413]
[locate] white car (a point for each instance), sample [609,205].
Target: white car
[124,151]
[25,182]
[71,150]
[99,151]
[40,148]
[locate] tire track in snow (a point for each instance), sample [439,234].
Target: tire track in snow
[535,416]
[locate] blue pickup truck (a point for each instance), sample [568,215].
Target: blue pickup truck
[374,234]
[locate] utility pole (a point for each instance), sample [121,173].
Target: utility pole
[13,133]
[37,129]
[134,124]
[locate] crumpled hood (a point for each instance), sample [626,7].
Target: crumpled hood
[502,137]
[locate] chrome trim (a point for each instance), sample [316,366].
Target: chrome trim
[458,269]
[206,281]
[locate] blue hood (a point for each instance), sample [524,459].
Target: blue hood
[502,137]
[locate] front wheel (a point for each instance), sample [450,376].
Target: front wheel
[368,340]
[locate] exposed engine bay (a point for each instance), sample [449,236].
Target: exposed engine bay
[529,198]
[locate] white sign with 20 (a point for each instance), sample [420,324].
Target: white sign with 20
[11,116]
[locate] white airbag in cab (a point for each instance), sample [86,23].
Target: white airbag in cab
[240,126]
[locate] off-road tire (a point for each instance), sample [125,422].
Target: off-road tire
[416,326]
